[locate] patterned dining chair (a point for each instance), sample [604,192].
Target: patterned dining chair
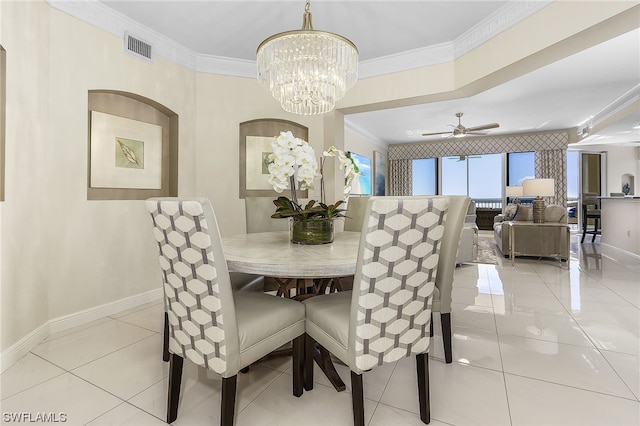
[209,324]
[386,317]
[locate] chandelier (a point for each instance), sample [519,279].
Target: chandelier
[306,70]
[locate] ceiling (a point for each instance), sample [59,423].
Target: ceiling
[561,95]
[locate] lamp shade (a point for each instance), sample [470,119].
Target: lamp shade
[538,187]
[514,191]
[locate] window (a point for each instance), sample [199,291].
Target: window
[520,166]
[478,176]
[425,176]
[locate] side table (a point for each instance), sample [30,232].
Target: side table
[556,243]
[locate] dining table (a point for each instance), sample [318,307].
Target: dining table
[272,254]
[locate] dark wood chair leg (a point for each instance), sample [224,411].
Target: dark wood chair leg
[422,361]
[431,326]
[596,222]
[308,362]
[298,365]
[584,223]
[228,400]
[175,380]
[165,342]
[445,319]
[357,399]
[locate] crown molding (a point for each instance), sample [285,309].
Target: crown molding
[416,58]
[500,20]
[99,15]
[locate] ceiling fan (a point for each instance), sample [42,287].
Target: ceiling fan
[461,131]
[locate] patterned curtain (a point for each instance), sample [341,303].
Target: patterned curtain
[400,177]
[552,164]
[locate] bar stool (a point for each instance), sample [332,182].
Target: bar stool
[590,210]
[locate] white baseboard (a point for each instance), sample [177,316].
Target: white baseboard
[23,346]
[78,318]
[31,340]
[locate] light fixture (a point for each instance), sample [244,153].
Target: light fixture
[307,70]
[514,192]
[538,188]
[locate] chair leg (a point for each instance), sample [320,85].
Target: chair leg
[431,325]
[584,225]
[445,319]
[175,380]
[228,400]
[298,364]
[422,362]
[165,342]
[308,362]
[357,399]
[595,229]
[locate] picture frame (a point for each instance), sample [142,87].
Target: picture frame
[362,185]
[254,146]
[380,173]
[124,153]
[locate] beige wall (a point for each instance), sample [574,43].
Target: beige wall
[62,254]
[620,160]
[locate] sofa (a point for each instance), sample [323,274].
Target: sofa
[468,244]
[532,240]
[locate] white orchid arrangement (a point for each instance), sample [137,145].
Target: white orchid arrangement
[293,161]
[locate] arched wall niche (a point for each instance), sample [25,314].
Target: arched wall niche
[135,107]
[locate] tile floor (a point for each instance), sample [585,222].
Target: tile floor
[534,344]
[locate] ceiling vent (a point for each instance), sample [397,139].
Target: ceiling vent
[138,48]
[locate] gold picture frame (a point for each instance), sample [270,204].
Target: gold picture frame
[255,145]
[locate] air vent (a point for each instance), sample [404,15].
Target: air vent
[138,48]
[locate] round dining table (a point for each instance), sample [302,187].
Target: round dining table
[272,254]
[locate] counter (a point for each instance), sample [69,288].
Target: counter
[620,223]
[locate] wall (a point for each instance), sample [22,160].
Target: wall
[620,160]
[222,104]
[62,254]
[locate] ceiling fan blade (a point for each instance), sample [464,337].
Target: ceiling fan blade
[477,133]
[483,127]
[437,133]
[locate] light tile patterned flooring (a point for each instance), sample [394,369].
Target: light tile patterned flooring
[534,344]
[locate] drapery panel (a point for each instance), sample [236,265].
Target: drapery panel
[400,177]
[552,164]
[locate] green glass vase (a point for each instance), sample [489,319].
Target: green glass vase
[312,231]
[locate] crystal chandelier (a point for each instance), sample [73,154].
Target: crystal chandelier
[308,71]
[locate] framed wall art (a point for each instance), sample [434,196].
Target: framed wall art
[255,146]
[125,153]
[361,185]
[132,147]
[380,173]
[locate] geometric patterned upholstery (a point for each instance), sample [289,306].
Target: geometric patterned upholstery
[190,278]
[395,278]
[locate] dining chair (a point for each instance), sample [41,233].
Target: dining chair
[590,211]
[209,324]
[355,213]
[386,316]
[458,206]
[239,282]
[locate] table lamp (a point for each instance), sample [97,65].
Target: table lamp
[538,188]
[514,192]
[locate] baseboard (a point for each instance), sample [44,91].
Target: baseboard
[619,250]
[31,340]
[23,346]
[78,318]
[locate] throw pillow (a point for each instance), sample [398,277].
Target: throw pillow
[511,211]
[524,213]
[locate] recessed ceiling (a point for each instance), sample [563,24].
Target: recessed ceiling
[558,96]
